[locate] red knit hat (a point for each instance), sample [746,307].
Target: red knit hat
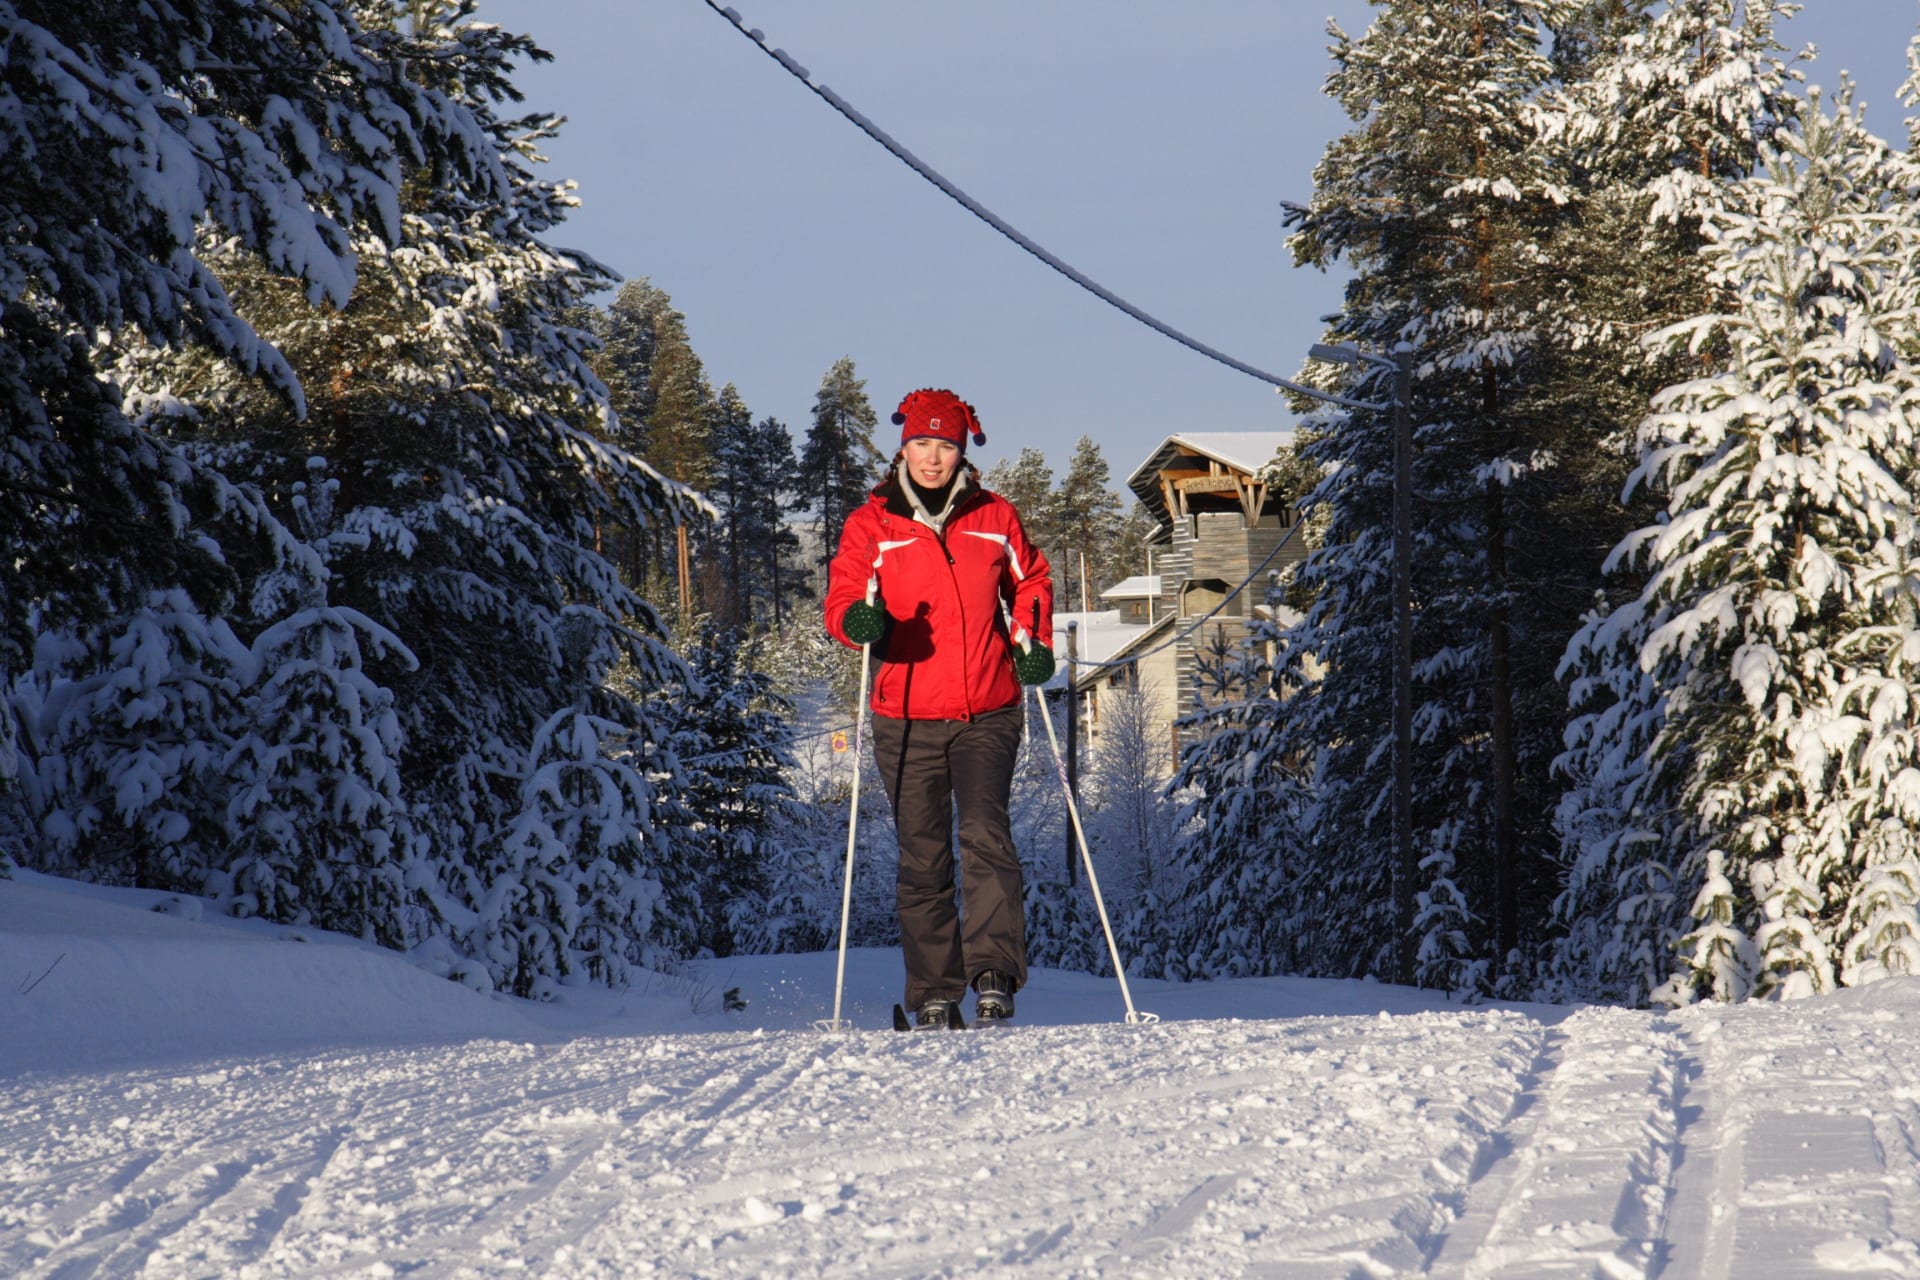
[932,411]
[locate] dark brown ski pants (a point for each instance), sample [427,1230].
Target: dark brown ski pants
[928,766]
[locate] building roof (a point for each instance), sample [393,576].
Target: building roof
[1138,587]
[1246,452]
[1144,637]
[1097,637]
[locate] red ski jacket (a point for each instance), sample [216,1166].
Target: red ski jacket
[947,653]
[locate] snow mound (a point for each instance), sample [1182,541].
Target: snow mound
[98,977]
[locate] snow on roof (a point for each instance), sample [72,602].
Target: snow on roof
[1244,451]
[1097,637]
[1248,450]
[1134,588]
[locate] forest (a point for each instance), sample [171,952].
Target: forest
[373,565]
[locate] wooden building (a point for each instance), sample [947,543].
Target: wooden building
[1221,535]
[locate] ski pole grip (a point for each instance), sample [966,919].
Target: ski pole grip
[864,624]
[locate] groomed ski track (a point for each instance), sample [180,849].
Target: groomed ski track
[1420,1139]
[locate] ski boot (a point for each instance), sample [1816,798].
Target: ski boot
[995,992]
[934,1015]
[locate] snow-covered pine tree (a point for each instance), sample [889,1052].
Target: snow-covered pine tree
[679,446]
[627,333]
[1243,867]
[751,547]
[1440,199]
[1081,514]
[1664,117]
[838,462]
[1525,259]
[778,580]
[1087,516]
[13,814]
[727,728]
[1130,821]
[1879,932]
[679,403]
[1671,98]
[1767,718]
[126,726]
[590,870]
[1063,929]
[1129,815]
[628,330]
[1026,480]
[317,821]
[316,818]
[470,437]
[1243,854]
[130,137]
[736,477]
[806,868]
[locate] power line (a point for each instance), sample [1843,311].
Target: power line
[999,224]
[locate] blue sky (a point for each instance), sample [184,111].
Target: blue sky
[1150,145]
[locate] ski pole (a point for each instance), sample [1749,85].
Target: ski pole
[1134,1016]
[836,1023]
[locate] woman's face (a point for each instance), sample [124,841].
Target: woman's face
[931,460]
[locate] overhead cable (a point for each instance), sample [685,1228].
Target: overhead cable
[999,224]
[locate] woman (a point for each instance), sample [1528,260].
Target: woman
[960,608]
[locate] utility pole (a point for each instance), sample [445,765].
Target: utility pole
[1405,865]
[1073,738]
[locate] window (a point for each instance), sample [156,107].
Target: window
[1199,595]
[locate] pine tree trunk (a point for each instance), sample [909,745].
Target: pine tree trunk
[1505,872]
[685,565]
[1499,618]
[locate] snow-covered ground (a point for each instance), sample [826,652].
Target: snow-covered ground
[186,1097]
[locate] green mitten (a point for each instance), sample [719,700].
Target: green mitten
[1033,665]
[864,623]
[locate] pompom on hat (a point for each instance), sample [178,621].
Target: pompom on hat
[936,412]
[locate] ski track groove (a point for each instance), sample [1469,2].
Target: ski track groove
[554,1224]
[1805,1163]
[1711,1152]
[1490,1170]
[531,1209]
[1347,1235]
[1156,1225]
[1600,1116]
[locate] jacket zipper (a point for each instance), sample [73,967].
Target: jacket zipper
[959,604]
[940,540]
